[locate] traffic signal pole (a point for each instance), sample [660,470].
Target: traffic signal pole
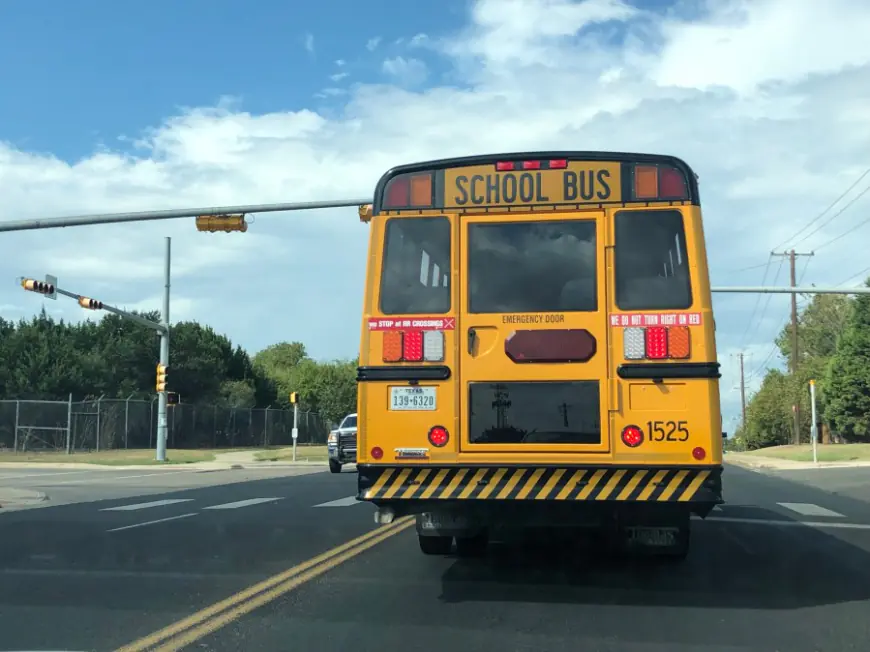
[164,354]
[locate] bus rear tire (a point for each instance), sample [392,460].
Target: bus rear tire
[435,545]
[472,546]
[334,467]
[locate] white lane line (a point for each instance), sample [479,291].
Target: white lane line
[816,524]
[243,503]
[159,520]
[341,502]
[809,509]
[153,503]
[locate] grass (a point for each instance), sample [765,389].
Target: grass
[826,452]
[114,457]
[304,452]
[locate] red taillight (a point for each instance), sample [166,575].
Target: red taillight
[377,453]
[559,164]
[632,436]
[656,342]
[699,453]
[438,436]
[413,346]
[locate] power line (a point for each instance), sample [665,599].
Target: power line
[757,323]
[838,213]
[750,322]
[820,215]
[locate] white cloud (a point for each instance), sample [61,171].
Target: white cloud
[767,100]
[309,43]
[418,40]
[373,43]
[337,77]
[340,62]
[405,71]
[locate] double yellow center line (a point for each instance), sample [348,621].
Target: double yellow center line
[194,627]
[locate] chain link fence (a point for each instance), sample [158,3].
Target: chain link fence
[106,424]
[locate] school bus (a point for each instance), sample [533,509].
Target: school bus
[538,351]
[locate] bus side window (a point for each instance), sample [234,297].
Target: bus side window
[652,271]
[416,256]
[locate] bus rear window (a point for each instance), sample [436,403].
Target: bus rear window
[532,267]
[415,278]
[652,269]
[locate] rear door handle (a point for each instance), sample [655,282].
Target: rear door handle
[472,334]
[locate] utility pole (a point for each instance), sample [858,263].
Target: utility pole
[796,408]
[742,393]
[164,354]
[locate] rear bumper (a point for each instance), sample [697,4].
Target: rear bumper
[694,486]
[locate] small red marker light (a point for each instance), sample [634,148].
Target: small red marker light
[377,453]
[438,436]
[504,166]
[699,453]
[558,164]
[531,165]
[632,436]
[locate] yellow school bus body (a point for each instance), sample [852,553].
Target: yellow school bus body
[588,379]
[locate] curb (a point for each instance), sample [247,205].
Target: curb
[13,497]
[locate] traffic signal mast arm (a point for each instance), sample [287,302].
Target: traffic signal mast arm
[41,287]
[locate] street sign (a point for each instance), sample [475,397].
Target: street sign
[51,280]
[295,433]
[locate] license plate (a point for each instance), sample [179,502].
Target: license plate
[412,398]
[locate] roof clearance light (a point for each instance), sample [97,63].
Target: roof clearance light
[504,166]
[438,436]
[531,165]
[559,164]
[672,183]
[632,436]
[433,346]
[413,346]
[657,342]
[634,344]
[646,182]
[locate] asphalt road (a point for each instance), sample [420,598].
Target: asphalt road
[90,576]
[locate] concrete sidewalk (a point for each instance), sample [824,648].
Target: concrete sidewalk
[222,462]
[15,497]
[760,462]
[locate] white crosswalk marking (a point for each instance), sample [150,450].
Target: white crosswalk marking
[153,503]
[809,509]
[243,503]
[341,502]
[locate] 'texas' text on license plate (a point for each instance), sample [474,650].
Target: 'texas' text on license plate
[580,183]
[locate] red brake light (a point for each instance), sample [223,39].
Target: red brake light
[413,346]
[699,453]
[632,436]
[656,342]
[438,436]
[377,453]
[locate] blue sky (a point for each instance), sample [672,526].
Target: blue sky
[767,100]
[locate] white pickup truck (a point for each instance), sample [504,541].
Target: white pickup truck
[341,444]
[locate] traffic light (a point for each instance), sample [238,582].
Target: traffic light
[162,375]
[40,287]
[294,398]
[365,213]
[172,398]
[225,223]
[90,304]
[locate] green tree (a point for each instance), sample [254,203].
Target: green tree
[847,382]
[768,416]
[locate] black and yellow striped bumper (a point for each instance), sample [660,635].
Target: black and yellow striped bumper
[524,483]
